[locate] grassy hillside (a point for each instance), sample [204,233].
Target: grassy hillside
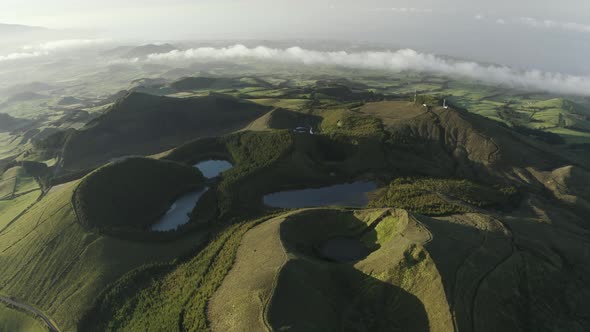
[9,123]
[280,118]
[296,289]
[158,297]
[431,196]
[15,182]
[51,262]
[346,122]
[11,208]
[14,320]
[145,124]
[290,104]
[133,193]
[422,274]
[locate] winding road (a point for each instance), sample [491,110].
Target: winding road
[33,311]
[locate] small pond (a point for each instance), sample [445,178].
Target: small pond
[350,194]
[343,249]
[212,168]
[178,214]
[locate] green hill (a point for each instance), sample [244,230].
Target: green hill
[146,124]
[16,181]
[14,320]
[132,194]
[471,145]
[9,123]
[281,118]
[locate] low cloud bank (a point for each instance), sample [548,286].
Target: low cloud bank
[549,24]
[56,45]
[405,59]
[403,10]
[20,56]
[47,48]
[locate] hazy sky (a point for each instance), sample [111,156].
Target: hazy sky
[249,16]
[549,35]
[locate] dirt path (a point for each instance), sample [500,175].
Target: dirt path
[33,311]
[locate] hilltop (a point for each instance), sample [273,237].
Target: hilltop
[9,123]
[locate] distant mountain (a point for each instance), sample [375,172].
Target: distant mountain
[24,96]
[16,28]
[65,101]
[142,51]
[28,87]
[145,50]
[8,123]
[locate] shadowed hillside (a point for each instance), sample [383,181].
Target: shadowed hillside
[280,118]
[472,145]
[8,123]
[132,194]
[145,124]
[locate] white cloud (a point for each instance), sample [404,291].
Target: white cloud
[500,21]
[478,17]
[20,56]
[65,44]
[405,59]
[46,48]
[403,10]
[549,24]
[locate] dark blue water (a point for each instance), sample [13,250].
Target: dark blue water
[349,194]
[212,168]
[178,214]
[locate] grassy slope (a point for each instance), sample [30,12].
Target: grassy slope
[244,291]
[345,122]
[455,272]
[16,181]
[132,194]
[572,136]
[48,260]
[281,118]
[145,124]
[290,104]
[432,196]
[175,297]
[9,209]
[14,320]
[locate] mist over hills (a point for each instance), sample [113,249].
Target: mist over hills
[17,28]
